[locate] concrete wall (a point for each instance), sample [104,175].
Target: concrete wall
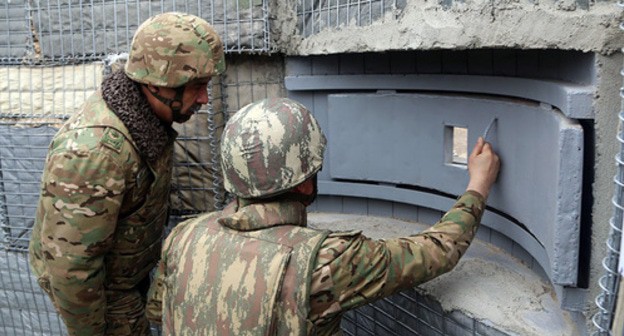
[517,25]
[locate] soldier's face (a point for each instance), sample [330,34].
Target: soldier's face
[194,96]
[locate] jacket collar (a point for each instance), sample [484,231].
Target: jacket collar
[124,97]
[256,216]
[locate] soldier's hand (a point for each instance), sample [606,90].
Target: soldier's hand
[483,167]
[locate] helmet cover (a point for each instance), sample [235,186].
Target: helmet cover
[269,147]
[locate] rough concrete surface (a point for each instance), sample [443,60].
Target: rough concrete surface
[488,284]
[607,104]
[474,24]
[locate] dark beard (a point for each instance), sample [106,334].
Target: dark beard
[178,117]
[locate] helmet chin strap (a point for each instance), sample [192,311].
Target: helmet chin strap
[174,104]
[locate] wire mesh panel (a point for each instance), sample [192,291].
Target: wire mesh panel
[15,31]
[196,185]
[24,307]
[22,155]
[28,91]
[315,15]
[412,313]
[53,55]
[74,30]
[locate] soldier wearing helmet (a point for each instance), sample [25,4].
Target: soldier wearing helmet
[256,269]
[105,186]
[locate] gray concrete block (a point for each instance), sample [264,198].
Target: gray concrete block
[455,62]
[379,208]
[351,64]
[354,205]
[479,62]
[504,64]
[329,204]
[527,64]
[313,207]
[484,233]
[429,62]
[405,211]
[520,253]
[299,65]
[429,216]
[501,241]
[573,100]
[328,65]
[362,140]
[377,63]
[402,63]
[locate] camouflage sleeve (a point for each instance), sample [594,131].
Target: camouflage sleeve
[156,292]
[80,201]
[353,270]
[153,309]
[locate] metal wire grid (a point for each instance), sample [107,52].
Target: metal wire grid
[609,282]
[22,154]
[24,307]
[75,31]
[22,157]
[25,134]
[13,19]
[35,91]
[411,313]
[196,186]
[315,15]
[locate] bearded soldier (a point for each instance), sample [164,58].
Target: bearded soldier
[105,186]
[256,269]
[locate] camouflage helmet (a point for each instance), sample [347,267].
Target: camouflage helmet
[269,147]
[172,49]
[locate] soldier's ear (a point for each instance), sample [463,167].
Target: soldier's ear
[306,187]
[151,88]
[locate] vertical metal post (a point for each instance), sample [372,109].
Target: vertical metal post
[610,280]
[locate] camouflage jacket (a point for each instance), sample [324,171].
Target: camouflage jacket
[100,220]
[349,270]
[244,271]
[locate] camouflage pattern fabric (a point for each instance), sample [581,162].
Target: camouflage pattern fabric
[172,49]
[270,146]
[99,223]
[352,270]
[348,270]
[214,279]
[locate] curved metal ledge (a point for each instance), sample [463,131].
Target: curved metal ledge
[575,101]
[442,203]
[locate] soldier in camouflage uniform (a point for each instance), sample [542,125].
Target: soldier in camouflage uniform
[256,269]
[105,188]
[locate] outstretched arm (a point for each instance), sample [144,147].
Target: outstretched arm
[483,167]
[353,270]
